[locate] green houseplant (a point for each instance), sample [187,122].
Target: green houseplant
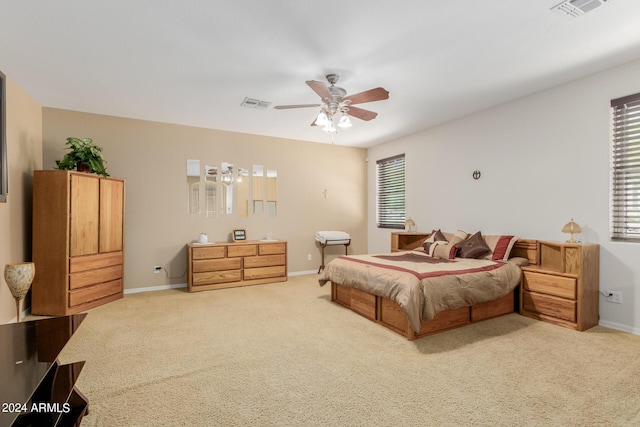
[84,156]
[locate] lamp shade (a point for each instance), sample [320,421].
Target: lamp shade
[572,228]
[344,121]
[322,119]
[329,127]
[409,224]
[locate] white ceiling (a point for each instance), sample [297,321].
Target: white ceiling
[193,62]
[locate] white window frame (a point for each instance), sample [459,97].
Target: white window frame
[390,192]
[625,169]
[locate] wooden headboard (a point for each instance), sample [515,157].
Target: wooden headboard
[526,248]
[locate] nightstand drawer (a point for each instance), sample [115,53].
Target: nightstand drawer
[564,287]
[551,306]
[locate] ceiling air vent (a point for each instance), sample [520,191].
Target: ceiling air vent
[576,8]
[255,103]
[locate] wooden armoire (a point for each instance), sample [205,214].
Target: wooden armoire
[78,241]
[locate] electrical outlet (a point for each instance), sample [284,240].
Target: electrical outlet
[157,269]
[309,257]
[614,296]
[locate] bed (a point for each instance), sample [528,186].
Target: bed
[429,288]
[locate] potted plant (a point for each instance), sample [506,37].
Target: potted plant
[83,156]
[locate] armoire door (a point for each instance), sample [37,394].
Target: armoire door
[85,215]
[111,215]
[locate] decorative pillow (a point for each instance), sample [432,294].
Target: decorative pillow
[460,235]
[500,247]
[436,236]
[473,247]
[448,250]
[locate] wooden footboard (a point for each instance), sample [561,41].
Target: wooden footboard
[389,314]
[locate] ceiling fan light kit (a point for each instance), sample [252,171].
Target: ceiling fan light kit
[322,119]
[344,122]
[335,102]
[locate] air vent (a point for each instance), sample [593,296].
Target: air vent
[576,8]
[255,103]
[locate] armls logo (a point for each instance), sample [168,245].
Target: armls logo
[47,407]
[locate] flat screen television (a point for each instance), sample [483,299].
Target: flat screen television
[4,165]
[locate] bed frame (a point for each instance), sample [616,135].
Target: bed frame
[389,314]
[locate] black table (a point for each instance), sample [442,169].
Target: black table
[35,390]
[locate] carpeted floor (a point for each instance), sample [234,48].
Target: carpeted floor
[284,355]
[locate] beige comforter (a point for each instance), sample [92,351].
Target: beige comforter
[422,285]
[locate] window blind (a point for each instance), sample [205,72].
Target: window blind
[625,167]
[390,209]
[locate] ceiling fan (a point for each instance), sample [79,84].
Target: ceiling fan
[335,101]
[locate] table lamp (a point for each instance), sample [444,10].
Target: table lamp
[409,224]
[572,228]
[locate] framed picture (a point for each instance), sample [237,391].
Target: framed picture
[239,235]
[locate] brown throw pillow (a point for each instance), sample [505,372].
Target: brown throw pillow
[448,250]
[473,247]
[436,236]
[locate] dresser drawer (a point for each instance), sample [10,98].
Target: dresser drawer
[202,265]
[91,262]
[264,261]
[241,250]
[564,287]
[272,248]
[213,277]
[91,293]
[550,306]
[93,277]
[207,252]
[264,272]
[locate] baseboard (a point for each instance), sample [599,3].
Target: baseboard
[184,285]
[155,288]
[303,273]
[26,312]
[619,327]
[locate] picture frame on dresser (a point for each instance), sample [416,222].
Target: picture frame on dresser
[239,235]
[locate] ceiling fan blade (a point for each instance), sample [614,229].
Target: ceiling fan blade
[362,114]
[319,88]
[287,107]
[377,94]
[313,123]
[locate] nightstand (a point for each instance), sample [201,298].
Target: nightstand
[563,288]
[407,241]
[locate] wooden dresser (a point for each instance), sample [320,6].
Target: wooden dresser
[78,241]
[563,288]
[228,265]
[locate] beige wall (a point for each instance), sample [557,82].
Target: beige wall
[152,158]
[24,152]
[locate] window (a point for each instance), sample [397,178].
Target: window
[625,167]
[390,211]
